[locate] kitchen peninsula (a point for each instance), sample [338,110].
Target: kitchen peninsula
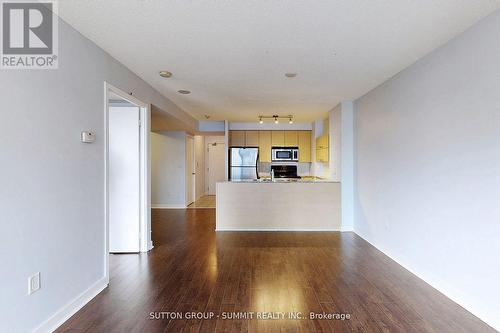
[262,205]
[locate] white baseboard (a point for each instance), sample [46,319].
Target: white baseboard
[433,283]
[63,314]
[279,229]
[168,206]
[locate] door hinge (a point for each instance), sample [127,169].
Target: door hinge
[140,123]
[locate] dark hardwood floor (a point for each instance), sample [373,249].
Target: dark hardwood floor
[193,269]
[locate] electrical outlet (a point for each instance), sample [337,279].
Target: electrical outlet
[33,283]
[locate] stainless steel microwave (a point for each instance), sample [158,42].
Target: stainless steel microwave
[285,154]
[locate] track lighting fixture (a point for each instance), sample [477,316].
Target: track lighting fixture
[276,118]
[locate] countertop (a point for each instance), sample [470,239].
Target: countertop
[267,180]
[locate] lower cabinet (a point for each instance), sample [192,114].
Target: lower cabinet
[322,155]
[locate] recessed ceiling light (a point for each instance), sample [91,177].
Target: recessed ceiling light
[165,74]
[290,75]
[184,92]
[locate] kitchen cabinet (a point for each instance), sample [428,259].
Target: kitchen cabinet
[322,141]
[243,138]
[304,144]
[322,155]
[322,151]
[265,140]
[291,139]
[251,138]
[278,138]
[265,144]
[237,138]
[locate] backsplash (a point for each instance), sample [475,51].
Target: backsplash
[303,169]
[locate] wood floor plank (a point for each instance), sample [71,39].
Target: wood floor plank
[193,269]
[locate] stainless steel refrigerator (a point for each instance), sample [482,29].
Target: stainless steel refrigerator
[243,163]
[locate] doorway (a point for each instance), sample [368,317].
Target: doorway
[190,170]
[124,175]
[127,173]
[216,165]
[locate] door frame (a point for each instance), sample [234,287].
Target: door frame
[191,169]
[145,244]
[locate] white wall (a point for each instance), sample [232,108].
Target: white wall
[226,143]
[428,169]
[199,151]
[219,139]
[340,128]
[346,164]
[211,126]
[334,143]
[52,185]
[168,169]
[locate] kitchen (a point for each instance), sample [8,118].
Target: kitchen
[272,183]
[286,154]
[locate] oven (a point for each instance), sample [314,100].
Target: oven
[285,154]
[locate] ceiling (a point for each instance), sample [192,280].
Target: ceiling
[232,55]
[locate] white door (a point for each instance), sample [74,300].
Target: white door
[124,179]
[190,170]
[216,165]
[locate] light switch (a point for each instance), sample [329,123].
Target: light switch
[33,283]
[88,137]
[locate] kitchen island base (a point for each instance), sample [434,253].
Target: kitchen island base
[299,206]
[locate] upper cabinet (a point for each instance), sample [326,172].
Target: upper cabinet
[304,144]
[265,146]
[265,140]
[251,138]
[291,139]
[278,138]
[322,141]
[237,138]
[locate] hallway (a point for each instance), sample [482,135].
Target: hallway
[205,201]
